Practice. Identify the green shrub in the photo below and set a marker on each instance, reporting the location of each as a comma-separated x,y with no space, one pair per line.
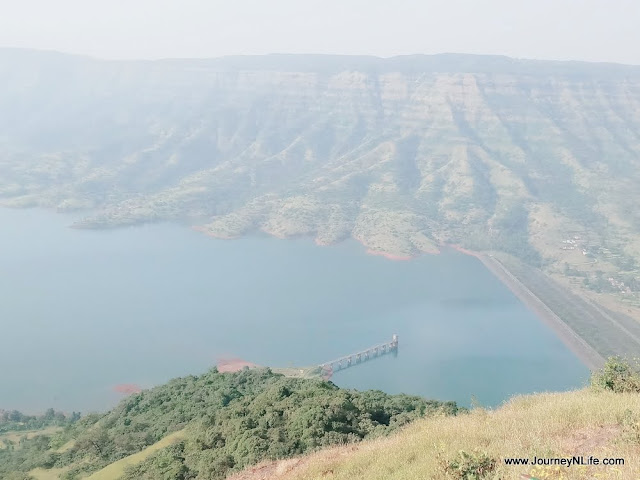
617,375
470,466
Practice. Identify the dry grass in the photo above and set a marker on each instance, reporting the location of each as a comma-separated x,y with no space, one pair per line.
116,469
581,423
14,437
66,446
51,474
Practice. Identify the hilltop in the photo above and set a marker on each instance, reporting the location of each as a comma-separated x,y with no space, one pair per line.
205,426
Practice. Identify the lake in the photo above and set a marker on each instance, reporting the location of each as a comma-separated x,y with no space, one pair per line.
83,311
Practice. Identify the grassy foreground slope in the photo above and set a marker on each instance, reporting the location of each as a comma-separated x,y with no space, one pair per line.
599,423
552,425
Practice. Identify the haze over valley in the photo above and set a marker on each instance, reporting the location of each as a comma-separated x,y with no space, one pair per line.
241,222
531,159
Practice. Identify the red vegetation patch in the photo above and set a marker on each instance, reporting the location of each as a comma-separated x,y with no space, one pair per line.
471,253
127,388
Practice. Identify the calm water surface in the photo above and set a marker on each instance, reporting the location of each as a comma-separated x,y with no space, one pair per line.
84,311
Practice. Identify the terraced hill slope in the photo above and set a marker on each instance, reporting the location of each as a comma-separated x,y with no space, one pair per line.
539,160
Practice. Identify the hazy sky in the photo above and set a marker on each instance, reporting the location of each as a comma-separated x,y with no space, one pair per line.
594,30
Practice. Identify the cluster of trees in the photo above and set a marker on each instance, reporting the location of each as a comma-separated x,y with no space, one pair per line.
15,421
287,418
229,420
509,233
618,375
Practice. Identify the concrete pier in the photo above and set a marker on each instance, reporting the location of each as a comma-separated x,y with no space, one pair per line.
355,358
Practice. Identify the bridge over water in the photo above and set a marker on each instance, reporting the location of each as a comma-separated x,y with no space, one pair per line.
327,368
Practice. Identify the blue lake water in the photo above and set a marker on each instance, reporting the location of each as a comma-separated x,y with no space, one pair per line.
83,311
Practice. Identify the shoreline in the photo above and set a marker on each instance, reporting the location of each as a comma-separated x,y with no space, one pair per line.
388,256
576,344
201,229
580,348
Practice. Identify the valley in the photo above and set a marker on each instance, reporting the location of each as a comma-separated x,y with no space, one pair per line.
263,213
538,160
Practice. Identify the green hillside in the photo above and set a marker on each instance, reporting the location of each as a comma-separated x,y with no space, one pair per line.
474,447
210,425
257,425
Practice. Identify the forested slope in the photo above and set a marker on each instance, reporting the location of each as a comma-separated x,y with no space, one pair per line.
226,422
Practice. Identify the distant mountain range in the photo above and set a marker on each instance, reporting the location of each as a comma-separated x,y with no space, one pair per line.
539,160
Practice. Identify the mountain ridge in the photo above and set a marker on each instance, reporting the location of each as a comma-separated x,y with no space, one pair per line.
415,61
520,163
